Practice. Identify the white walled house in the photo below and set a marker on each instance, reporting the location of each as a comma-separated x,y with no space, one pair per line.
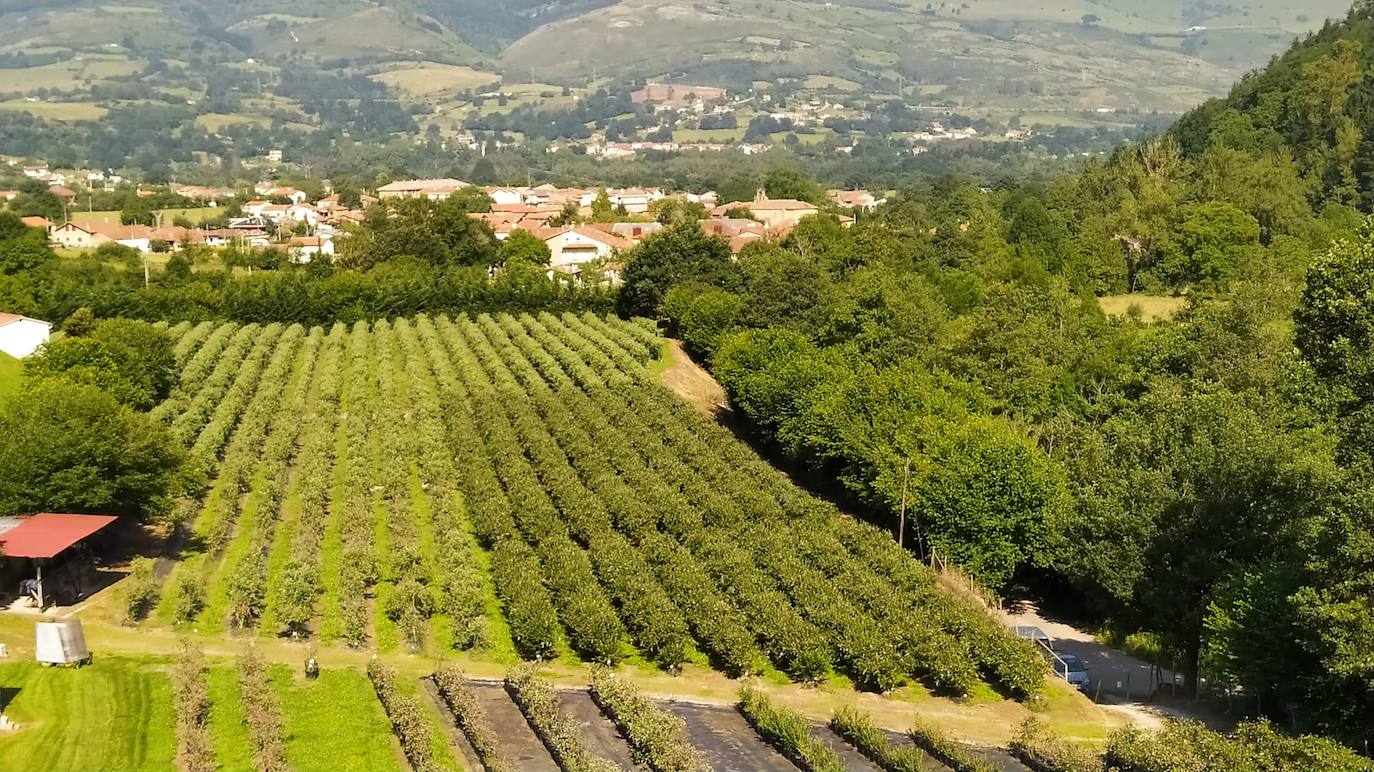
571,248
20,336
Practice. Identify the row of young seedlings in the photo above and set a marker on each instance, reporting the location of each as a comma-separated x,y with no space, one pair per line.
245,562
450,552
657,737
294,584
515,569
263,714
356,566
472,718
787,731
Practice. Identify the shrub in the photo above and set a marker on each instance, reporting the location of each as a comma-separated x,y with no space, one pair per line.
1039,748
857,728
140,590
658,738
954,755
1182,746
188,597
787,731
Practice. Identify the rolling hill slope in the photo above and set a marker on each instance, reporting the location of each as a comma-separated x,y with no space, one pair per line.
1064,55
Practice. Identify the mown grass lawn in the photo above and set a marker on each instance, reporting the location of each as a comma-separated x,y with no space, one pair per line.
113,715
334,723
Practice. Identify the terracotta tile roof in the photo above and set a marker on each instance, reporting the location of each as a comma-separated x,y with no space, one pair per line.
8,318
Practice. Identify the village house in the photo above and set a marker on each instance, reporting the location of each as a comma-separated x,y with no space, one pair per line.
434,190
304,249
69,235
856,199
777,213
573,247
63,192
20,336
37,222
505,196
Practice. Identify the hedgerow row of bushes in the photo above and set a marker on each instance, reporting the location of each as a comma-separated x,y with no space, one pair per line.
658,738
191,703
264,716
788,731
857,729
408,719
472,719
561,734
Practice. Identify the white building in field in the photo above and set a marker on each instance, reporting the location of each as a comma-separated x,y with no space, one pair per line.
20,336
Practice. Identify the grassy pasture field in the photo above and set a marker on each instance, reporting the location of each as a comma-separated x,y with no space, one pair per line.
11,376
427,79
197,214
69,74
1152,308
57,111
217,121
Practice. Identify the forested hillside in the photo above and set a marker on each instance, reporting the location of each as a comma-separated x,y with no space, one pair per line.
1204,478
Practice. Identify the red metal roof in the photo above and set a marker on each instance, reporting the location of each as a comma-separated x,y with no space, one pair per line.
46,535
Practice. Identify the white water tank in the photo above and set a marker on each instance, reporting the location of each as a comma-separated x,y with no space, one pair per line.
61,643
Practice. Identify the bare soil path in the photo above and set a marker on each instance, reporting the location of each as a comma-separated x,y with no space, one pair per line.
521,745
727,740
601,734
689,380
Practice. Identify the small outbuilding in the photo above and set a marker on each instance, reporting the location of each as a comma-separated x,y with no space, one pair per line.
48,539
20,336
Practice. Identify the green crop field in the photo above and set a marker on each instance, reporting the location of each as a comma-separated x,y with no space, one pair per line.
414,468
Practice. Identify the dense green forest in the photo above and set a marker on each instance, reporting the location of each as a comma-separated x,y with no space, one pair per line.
1205,479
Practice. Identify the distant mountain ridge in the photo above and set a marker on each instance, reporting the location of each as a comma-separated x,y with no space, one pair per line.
1067,55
